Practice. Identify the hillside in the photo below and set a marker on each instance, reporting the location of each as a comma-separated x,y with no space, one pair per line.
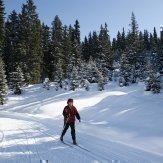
119,125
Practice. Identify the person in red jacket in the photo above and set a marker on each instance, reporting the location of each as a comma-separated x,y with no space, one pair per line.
70,113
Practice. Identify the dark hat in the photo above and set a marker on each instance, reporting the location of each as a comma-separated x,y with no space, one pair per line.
69,100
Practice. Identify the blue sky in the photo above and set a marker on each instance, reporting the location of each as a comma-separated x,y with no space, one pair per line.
92,13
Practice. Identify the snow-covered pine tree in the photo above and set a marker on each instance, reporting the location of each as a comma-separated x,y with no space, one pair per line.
104,58
92,75
3,83
30,45
86,85
56,45
74,53
85,50
67,48
59,75
94,45
76,47
146,41
82,73
2,20
74,80
156,87
154,60
140,59
16,80
65,84
155,40
153,82
133,32
101,81
20,76
71,64
133,49
135,58
125,70
91,46
46,51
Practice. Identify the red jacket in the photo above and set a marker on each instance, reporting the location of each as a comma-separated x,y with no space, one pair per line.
70,114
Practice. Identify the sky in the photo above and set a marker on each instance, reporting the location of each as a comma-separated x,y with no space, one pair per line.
92,13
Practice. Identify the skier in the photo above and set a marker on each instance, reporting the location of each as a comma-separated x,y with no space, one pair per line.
69,113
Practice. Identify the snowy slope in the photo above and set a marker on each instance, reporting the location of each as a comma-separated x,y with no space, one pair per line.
119,125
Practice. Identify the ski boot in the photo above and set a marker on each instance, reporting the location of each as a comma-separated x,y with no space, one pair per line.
61,138
74,142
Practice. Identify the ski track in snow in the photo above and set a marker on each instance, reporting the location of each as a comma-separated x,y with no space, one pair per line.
109,150
33,138
55,143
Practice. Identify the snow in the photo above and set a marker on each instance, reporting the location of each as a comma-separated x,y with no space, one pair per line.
119,125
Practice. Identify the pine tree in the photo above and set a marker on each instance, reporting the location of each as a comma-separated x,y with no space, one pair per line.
77,32
56,45
155,40
16,79
146,41
92,75
120,45
119,42
82,69
74,80
133,33
100,81
126,70
59,76
105,58
46,51
67,48
83,73
160,47
114,48
151,41
153,82
133,41
85,50
91,47
12,56
3,83
70,56
86,85
156,84
2,33
123,40
76,47
154,57
71,64
30,43
96,45
135,50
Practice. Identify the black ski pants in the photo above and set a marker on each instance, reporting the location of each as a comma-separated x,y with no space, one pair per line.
65,128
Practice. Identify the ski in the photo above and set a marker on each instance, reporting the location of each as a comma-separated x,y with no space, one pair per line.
79,146
75,145
67,144
82,148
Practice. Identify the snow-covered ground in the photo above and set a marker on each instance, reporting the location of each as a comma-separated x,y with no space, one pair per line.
119,125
